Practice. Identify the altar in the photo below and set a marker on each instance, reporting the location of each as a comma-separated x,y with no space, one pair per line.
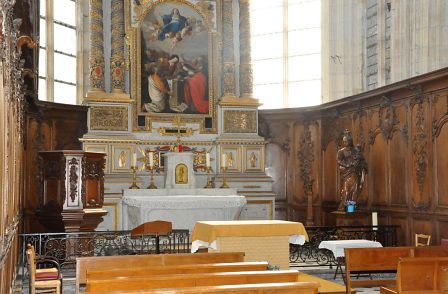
182,207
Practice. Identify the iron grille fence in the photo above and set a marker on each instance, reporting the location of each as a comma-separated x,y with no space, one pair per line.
309,253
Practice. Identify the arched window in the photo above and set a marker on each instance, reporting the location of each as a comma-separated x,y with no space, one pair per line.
286,52
59,69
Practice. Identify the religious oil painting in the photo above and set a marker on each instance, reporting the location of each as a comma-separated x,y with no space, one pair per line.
174,53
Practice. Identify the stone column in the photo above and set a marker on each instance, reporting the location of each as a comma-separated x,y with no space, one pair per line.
228,70
96,54
117,84
246,74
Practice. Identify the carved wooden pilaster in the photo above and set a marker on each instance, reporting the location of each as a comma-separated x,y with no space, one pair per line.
228,69
117,62
246,72
96,53
306,158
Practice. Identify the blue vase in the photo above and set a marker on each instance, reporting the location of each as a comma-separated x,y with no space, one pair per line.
350,208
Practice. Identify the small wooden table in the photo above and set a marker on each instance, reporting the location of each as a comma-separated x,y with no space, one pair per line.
262,240
337,248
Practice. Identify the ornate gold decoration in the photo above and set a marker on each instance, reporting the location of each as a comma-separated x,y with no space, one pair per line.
122,159
178,131
246,74
96,53
117,62
109,118
181,174
135,14
240,121
228,70
228,79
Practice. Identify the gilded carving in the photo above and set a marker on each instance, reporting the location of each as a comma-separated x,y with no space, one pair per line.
228,79
240,121
246,80
117,64
181,174
246,72
96,53
109,118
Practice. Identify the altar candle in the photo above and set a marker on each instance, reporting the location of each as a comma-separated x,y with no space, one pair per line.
134,160
223,160
207,159
151,159
375,219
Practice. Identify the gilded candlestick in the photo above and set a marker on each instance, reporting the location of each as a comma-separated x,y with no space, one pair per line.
224,179
134,178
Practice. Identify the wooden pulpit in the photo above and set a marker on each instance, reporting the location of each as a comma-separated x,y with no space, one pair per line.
71,190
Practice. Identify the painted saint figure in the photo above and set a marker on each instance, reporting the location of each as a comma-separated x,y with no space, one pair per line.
172,24
352,169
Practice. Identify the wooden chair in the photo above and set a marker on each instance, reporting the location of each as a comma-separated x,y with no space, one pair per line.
422,240
45,280
156,228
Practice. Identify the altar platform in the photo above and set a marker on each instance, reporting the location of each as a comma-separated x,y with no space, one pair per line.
182,207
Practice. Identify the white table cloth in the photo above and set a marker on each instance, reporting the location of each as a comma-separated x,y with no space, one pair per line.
338,246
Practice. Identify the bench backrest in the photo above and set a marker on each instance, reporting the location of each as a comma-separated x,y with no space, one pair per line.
95,263
265,288
422,274
382,259
178,269
192,280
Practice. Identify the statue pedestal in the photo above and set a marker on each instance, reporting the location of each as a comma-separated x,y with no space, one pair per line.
179,170
342,218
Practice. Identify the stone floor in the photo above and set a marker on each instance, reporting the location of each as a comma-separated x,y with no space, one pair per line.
320,271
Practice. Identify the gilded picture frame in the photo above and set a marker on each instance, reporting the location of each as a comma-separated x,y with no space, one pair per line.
233,158
173,58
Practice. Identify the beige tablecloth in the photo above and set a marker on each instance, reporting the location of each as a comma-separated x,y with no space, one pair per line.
206,232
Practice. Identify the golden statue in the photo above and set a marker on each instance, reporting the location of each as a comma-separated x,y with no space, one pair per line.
352,169
253,160
181,174
122,159
230,159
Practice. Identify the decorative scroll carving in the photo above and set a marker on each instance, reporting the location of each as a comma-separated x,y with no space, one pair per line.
335,127
437,124
240,121
420,144
73,178
387,118
306,158
109,118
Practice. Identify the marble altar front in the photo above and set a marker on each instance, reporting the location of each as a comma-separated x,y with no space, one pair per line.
183,207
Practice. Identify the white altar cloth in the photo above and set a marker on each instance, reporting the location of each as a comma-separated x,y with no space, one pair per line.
140,206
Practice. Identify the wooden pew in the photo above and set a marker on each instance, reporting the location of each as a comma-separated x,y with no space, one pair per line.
177,269
97,263
368,260
421,275
191,280
265,288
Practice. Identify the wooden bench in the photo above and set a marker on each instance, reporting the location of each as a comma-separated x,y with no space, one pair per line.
191,280
368,260
420,275
98,263
178,269
265,288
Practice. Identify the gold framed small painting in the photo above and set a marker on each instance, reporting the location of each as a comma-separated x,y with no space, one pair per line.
254,158
232,157
122,158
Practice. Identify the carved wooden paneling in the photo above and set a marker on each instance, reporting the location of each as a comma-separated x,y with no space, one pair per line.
329,173
398,169
378,171
403,233
440,181
441,226
276,158
423,224
421,198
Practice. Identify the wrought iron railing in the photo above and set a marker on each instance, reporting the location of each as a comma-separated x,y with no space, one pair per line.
309,253
66,247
